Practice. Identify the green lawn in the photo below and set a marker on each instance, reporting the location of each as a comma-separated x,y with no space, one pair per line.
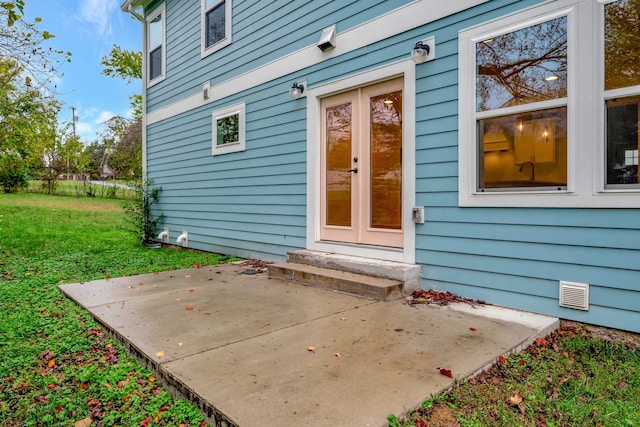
570,378
56,366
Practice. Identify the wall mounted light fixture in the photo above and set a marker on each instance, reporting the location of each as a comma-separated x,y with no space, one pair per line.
424,50
298,89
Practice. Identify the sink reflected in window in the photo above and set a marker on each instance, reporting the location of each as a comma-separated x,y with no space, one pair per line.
523,151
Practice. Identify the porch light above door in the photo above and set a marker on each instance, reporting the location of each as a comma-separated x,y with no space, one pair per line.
424,50
298,89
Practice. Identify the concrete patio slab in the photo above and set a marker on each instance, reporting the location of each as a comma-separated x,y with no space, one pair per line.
240,345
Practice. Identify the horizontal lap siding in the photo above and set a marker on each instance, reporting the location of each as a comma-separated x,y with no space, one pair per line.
261,31
509,256
251,203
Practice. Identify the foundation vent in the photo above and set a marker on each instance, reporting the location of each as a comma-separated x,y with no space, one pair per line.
574,295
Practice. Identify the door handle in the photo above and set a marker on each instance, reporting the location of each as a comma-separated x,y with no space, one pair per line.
354,170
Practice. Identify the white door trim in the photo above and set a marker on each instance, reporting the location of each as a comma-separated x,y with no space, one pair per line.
406,69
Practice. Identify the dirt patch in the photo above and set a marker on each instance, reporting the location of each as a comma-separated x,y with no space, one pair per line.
628,338
442,416
53,202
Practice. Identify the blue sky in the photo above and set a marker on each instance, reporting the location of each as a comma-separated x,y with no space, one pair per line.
88,29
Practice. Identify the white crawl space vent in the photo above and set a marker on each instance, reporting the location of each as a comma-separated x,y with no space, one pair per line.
574,295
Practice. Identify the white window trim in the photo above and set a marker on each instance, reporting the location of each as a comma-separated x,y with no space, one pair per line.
240,145
586,144
204,50
159,10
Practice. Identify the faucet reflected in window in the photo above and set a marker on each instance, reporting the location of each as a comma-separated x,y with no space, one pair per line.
533,169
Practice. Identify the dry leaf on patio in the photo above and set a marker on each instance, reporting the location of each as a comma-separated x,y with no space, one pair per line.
472,329
343,318
446,372
160,354
337,354
311,348
189,307
188,276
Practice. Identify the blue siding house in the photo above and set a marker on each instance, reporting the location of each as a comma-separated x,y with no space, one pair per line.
493,143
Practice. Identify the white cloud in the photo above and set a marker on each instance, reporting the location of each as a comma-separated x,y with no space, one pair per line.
91,122
99,14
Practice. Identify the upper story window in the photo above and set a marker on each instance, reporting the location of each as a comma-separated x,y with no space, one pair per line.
216,25
550,107
155,29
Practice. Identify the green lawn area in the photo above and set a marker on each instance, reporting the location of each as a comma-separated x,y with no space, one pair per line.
58,369
56,366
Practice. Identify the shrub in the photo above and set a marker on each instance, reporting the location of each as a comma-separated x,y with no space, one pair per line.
13,174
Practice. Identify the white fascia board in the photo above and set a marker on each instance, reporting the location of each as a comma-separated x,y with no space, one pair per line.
405,18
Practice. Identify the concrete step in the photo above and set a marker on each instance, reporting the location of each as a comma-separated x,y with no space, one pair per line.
344,281
410,275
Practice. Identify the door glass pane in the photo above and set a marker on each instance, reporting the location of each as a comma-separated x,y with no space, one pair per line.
622,141
621,44
526,150
521,67
339,133
386,160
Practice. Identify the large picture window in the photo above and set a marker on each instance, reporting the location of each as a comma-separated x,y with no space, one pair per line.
521,98
550,107
621,84
216,25
155,46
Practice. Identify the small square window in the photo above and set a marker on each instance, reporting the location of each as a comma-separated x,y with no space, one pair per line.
228,130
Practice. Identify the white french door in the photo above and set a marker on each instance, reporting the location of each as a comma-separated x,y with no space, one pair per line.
361,166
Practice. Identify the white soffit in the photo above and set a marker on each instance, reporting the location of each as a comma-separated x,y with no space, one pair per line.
407,17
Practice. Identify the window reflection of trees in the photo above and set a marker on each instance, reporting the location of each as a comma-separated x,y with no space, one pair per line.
524,66
622,44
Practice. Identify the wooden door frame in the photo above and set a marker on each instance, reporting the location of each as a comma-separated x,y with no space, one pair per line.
406,70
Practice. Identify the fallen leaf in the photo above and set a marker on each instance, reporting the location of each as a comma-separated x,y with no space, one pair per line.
106,276
192,290
51,363
83,423
178,299
446,372
145,422
522,408
152,378
140,283
188,276
160,354
337,354
472,329
51,386
311,348
363,319
189,307
343,318
502,359
59,409
516,399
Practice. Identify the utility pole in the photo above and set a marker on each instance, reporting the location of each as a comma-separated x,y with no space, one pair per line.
74,120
